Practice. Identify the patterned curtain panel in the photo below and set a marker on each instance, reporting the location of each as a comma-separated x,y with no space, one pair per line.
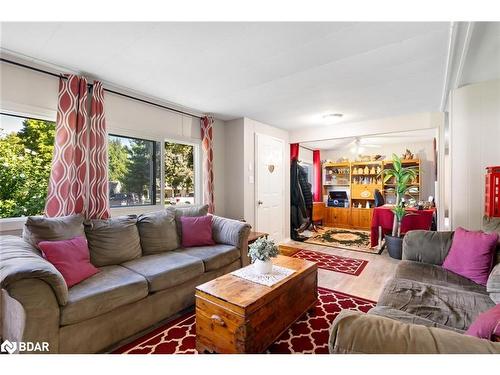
98,200
67,185
79,178
208,157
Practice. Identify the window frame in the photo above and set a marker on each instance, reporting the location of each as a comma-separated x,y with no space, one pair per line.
196,166
11,224
14,224
154,160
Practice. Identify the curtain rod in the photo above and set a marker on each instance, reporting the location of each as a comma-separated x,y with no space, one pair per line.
107,90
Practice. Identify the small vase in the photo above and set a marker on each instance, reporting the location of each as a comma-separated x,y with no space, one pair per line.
263,266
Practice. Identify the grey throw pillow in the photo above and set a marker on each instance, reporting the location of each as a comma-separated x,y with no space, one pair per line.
113,241
39,228
187,210
158,232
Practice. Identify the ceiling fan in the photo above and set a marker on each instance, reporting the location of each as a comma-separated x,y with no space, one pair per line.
357,147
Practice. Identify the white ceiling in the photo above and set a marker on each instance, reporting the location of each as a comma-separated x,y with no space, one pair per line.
284,74
416,136
483,56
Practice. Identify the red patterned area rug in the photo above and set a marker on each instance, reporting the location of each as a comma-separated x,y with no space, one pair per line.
332,262
308,335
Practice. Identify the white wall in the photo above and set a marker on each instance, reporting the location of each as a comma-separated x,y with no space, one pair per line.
474,145
34,94
305,155
240,172
422,150
234,169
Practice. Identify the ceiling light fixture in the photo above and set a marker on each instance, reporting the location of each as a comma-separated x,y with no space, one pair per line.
330,115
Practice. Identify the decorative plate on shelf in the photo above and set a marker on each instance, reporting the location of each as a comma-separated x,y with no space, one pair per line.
366,194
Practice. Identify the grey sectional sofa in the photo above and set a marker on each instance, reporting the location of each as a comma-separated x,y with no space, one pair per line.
423,309
145,277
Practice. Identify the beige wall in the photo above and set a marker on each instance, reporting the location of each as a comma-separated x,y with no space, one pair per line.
422,150
474,145
240,171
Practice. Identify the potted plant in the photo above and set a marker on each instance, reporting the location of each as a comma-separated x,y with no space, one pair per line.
403,177
261,252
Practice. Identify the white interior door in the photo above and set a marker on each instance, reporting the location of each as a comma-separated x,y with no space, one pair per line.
269,187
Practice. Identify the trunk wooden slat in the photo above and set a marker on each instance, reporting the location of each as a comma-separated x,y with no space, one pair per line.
234,315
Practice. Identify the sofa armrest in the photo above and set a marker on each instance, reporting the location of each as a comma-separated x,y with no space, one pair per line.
232,232
493,284
21,261
30,313
356,332
427,246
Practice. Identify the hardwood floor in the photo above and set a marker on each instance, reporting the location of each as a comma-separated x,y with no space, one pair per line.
368,284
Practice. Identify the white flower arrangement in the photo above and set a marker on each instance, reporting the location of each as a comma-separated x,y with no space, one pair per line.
262,249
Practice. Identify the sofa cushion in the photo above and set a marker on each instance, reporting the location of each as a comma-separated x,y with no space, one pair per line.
187,210
39,228
197,231
471,254
213,257
158,232
166,270
435,275
445,305
113,241
70,257
112,287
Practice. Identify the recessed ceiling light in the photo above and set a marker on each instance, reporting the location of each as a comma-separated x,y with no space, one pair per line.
330,115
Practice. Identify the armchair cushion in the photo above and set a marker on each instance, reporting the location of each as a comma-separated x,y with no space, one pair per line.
355,332
486,325
113,241
427,246
22,261
471,254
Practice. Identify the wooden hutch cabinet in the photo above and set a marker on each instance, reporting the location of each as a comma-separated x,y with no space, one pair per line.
359,180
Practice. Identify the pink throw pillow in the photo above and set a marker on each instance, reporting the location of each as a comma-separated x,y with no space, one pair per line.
471,254
70,257
197,231
486,325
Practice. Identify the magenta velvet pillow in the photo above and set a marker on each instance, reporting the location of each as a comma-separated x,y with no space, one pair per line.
196,231
70,257
471,254
486,324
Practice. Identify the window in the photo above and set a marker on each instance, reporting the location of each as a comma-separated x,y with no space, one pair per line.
179,173
134,171
26,147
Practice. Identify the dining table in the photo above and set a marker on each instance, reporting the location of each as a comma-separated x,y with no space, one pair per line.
383,218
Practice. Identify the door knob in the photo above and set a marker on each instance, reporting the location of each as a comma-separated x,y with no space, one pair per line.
260,203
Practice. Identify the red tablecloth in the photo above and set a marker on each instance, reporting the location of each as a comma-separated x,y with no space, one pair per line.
383,217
